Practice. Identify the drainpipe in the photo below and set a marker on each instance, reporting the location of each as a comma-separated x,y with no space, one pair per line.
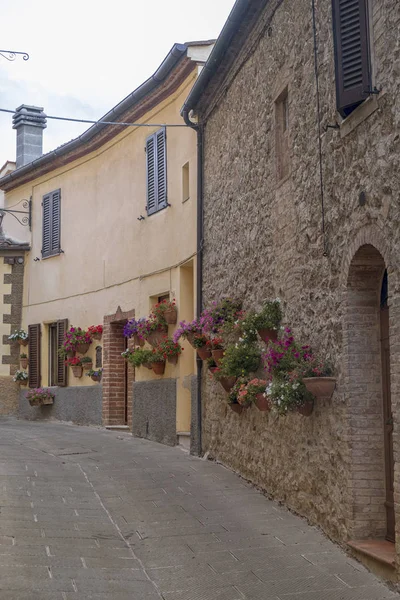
199,271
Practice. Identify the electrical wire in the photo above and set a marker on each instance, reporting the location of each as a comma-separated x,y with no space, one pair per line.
88,121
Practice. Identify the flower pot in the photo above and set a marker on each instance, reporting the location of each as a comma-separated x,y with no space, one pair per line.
218,354
237,408
95,377
148,366
71,353
267,334
262,402
87,366
212,369
320,387
156,337
24,363
23,342
190,337
171,316
158,367
227,383
173,360
96,336
82,348
47,401
35,402
77,371
23,383
138,341
204,353
306,408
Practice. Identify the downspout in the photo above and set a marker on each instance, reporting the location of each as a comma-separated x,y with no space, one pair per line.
199,270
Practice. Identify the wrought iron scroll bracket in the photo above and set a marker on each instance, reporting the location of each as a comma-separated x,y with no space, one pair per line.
26,219
11,55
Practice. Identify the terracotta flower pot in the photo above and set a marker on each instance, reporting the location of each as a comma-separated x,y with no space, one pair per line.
148,366
96,336
190,337
77,371
71,353
171,316
156,337
262,402
217,355
23,342
87,366
212,369
173,360
24,363
35,402
268,334
47,401
138,341
237,408
320,387
158,367
204,353
306,408
227,383
23,383
95,377
82,348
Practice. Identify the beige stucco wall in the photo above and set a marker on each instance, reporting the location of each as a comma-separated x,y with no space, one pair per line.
110,258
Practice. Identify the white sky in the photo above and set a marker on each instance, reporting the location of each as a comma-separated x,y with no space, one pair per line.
87,55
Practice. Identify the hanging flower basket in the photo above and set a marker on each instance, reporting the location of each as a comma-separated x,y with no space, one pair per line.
204,353
95,377
87,366
23,342
306,408
262,402
82,348
268,334
23,382
320,387
213,369
227,383
97,335
173,359
190,337
24,363
237,408
148,366
156,337
171,316
138,341
35,402
158,367
77,371
71,353
48,400
218,355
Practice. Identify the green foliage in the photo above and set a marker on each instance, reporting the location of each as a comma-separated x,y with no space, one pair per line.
86,359
140,356
240,359
270,316
286,394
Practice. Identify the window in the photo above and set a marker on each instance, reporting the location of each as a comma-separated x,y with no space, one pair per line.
282,135
51,224
185,182
352,53
156,171
58,371
34,342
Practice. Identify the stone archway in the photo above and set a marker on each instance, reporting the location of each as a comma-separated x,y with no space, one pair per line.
365,394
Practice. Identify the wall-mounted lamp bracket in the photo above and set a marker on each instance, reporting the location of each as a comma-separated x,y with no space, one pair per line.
25,221
141,218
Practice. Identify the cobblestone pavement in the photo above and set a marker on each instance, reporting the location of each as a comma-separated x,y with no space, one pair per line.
87,514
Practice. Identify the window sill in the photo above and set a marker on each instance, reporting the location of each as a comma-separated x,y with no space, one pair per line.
358,116
52,255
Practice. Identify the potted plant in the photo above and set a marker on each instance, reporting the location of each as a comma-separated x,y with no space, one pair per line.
23,359
187,331
317,377
288,395
19,336
76,340
267,321
203,345
76,366
95,332
170,350
95,374
212,365
154,331
40,396
217,345
233,401
136,328
253,392
165,312
226,382
158,362
87,363
21,377
141,356
240,359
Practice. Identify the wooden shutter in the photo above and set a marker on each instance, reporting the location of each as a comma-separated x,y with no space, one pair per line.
151,175
62,369
34,355
352,54
55,222
46,204
161,166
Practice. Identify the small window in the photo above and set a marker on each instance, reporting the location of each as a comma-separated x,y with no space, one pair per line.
99,357
163,297
58,371
156,171
352,53
185,183
51,224
282,124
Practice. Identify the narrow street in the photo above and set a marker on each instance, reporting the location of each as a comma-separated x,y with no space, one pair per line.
90,514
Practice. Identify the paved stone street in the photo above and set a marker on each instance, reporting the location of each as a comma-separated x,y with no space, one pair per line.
89,514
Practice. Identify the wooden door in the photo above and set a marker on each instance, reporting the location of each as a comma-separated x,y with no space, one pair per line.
387,414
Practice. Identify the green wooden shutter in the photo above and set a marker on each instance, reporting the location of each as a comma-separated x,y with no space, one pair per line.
151,175
46,245
34,342
55,222
352,53
62,369
161,169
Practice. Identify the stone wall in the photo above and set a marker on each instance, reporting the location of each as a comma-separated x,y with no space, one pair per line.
154,410
263,239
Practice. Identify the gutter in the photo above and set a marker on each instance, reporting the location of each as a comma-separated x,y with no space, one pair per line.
177,52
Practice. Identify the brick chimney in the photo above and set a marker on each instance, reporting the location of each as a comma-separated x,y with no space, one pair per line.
29,121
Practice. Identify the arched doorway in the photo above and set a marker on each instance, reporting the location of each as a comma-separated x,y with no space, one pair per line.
367,358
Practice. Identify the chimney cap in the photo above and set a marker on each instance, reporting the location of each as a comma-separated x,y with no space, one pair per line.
29,115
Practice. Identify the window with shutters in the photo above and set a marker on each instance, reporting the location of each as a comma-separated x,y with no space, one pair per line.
34,345
58,370
51,224
156,171
352,53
